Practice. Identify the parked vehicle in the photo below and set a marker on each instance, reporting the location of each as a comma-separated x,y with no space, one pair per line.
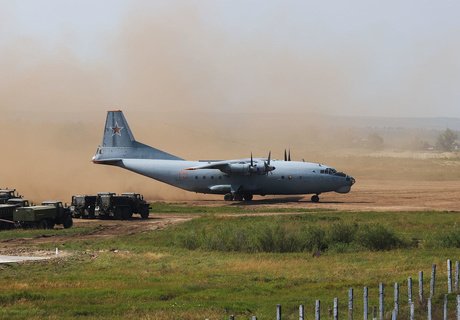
6,194
45,216
111,205
83,206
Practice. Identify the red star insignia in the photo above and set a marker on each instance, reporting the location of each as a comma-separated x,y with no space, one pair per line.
116,130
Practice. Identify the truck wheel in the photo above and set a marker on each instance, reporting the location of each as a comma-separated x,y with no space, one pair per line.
50,224
145,214
68,222
43,224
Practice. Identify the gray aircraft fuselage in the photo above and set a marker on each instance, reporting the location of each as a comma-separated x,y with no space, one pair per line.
234,178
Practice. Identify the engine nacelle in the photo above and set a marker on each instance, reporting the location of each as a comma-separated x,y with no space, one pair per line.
246,168
238,168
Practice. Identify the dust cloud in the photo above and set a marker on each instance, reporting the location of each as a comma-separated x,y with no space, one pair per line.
186,87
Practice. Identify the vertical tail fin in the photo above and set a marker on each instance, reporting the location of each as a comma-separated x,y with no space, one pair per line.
118,143
117,132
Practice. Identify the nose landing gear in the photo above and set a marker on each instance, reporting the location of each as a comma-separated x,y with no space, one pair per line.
315,198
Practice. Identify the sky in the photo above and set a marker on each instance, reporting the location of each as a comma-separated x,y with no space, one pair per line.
211,80
352,58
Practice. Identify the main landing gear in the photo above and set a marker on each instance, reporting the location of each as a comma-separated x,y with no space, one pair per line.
315,198
238,197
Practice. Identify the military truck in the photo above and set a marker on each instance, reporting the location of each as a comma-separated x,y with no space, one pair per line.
6,216
18,202
83,206
45,216
7,210
6,194
138,204
110,205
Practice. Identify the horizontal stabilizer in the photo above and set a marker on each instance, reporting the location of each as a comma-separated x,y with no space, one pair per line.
118,143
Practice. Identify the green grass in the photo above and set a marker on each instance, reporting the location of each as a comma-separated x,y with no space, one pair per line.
152,276
36,233
184,208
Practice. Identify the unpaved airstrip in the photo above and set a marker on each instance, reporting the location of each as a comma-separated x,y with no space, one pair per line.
365,196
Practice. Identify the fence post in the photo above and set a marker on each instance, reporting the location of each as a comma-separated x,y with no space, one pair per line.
409,290
336,309
374,313
449,276
396,297
428,309
350,304
365,303
412,311
457,270
458,307
381,301
444,309
433,281
318,310
394,314
420,286
278,312
301,312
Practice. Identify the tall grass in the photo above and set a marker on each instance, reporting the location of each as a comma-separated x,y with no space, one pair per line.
279,236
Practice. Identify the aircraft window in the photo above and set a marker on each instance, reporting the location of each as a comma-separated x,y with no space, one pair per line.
204,177
282,177
212,177
300,177
196,177
322,171
220,177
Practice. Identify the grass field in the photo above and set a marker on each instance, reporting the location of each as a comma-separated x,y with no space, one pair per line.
153,275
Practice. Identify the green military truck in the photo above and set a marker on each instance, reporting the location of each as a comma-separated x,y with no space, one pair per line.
138,204
45,216
7,210
112,206
6,194
83,206
6,216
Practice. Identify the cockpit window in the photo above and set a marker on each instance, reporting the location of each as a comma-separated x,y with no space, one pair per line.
331,171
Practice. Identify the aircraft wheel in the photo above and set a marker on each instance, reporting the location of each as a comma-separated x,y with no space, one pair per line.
238,197
315,198
247,197
228,197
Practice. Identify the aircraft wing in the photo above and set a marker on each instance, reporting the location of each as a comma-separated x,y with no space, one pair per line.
238,167
223,166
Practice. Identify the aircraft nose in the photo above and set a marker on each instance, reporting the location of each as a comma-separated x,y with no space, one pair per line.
352,180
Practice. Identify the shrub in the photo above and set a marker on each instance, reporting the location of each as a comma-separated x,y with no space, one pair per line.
377,238
449,239
342,233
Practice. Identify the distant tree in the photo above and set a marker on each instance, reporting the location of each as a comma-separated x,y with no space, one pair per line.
375,141
446,140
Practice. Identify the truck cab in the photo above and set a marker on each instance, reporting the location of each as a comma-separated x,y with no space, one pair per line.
6,194
63,214
18,202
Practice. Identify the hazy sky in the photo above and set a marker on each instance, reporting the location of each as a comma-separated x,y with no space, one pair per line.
378,58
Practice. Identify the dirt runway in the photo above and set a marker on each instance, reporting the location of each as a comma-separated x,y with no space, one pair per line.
372,195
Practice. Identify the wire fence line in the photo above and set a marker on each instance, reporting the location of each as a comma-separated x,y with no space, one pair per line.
418,307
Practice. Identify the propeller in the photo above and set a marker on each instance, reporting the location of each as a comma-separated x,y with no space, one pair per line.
287,155
252,161
268,168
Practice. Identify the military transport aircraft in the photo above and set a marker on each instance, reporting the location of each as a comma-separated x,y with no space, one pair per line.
236,179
